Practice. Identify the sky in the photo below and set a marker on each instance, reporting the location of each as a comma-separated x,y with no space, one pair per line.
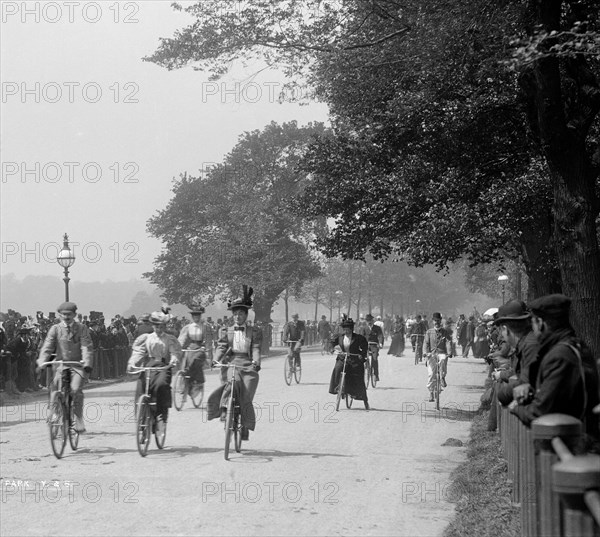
92,136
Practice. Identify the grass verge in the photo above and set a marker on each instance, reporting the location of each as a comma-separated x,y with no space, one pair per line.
481,490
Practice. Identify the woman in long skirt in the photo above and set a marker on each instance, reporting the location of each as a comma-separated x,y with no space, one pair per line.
397,344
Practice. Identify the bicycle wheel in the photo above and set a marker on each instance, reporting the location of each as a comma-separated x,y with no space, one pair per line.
197,394
143,426
349,401
229,425
179,390
237,431
367,372
58,423
297,371
340,392
160,433
287,371
373,378
73,434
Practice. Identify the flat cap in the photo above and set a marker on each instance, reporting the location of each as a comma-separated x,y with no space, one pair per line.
515,310
555,306
67,306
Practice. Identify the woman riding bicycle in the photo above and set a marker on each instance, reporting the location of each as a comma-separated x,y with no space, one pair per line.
194,337
356,344
240,345
154,350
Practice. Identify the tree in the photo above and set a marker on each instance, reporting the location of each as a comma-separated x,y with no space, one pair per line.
234,226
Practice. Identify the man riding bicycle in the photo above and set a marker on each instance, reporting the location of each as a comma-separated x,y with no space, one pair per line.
375,339
193,337
437,347
154,350
294,333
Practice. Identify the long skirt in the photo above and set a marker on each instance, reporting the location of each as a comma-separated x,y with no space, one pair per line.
355,378
397,344
247,383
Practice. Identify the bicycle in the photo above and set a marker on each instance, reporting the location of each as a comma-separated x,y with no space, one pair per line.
233,425
61,419
294,369
340,389
146,422
182,386
371,373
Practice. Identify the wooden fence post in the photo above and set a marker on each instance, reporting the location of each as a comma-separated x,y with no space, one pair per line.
571,479
544,429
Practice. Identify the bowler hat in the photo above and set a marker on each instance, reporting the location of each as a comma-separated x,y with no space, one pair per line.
295,316
555,306
437,316
196,309
67,306
515,310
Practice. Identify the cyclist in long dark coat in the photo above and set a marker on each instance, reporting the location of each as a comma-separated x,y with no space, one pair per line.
353,343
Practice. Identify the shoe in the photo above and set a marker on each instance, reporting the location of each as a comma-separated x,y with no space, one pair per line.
431,399
367,407
223,414
444,383
79,424
245,434
377,378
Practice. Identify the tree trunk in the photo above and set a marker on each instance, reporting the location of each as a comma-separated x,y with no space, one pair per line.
316,304
567,102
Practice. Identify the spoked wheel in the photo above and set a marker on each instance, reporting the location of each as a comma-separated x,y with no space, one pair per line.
58,423
73,434
197,394
160,433
367,373
373,377
143,425
437,390
228,425
287,371
297,372
340,392
349,401
179,390
237,431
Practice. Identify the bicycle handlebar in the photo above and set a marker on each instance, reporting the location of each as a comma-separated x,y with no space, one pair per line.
219,364
136,369
62,362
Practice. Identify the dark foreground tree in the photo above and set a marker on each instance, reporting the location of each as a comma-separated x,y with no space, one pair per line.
234,226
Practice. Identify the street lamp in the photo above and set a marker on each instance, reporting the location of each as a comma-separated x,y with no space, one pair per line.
418,303
66,259
502,280
339,297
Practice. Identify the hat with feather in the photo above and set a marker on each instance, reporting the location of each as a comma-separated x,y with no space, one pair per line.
245,301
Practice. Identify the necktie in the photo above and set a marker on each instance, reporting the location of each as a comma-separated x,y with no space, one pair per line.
238,328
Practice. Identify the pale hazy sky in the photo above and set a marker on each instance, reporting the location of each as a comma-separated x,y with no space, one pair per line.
78,101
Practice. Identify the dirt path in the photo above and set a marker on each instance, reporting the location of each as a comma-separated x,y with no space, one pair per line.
307,470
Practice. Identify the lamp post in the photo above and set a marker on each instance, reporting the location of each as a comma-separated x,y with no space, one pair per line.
502,280
418,303
66,259
339,297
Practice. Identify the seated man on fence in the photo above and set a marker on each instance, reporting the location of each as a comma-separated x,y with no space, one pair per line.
565,376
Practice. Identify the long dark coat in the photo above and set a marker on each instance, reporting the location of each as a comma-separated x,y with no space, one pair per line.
355,368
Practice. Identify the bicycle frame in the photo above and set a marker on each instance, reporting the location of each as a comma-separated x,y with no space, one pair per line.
342,382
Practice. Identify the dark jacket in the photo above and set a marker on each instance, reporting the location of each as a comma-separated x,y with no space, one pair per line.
566,380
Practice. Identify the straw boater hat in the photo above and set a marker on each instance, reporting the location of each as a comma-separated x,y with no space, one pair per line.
245,301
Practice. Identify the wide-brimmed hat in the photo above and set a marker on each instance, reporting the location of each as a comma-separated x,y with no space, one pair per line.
347,322
514,310
554,306
196,309
158,317
245,301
